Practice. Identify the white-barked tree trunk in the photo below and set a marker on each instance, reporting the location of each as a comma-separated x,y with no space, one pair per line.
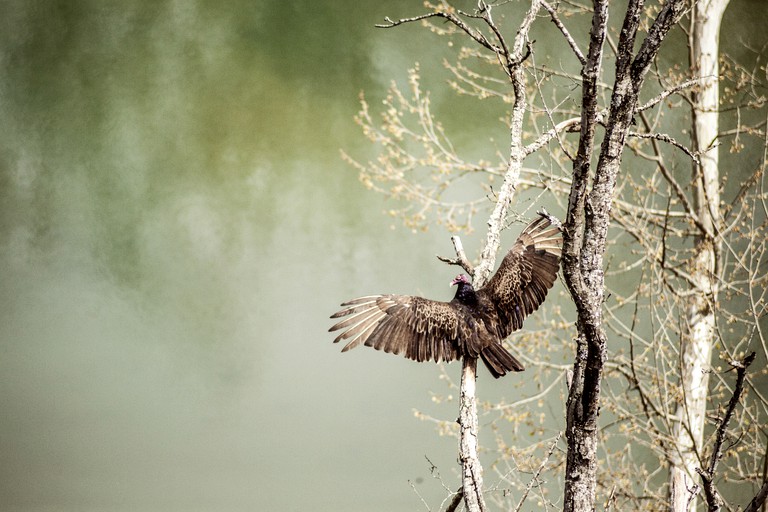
699,332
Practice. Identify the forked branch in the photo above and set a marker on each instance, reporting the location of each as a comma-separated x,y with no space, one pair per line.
714,500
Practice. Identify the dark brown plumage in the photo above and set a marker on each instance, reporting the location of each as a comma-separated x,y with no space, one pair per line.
475,322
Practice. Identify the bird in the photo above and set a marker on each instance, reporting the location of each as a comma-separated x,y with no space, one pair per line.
475,322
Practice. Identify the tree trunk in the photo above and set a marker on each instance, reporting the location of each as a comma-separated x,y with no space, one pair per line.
472,482
581,407
586,230
472,471
699,328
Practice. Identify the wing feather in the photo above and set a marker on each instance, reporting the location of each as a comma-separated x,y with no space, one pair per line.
358,331
360,336
355,318
525,275
418,328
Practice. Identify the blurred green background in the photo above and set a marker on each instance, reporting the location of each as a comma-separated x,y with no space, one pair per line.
176,226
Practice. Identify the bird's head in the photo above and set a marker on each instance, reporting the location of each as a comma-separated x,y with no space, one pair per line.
460,279
465,294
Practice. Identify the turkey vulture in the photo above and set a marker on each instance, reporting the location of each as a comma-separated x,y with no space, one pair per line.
475,322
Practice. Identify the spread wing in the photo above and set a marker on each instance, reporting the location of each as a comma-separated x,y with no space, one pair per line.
418,328
527,272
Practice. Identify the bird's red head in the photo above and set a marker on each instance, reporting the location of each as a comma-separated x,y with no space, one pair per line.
461,278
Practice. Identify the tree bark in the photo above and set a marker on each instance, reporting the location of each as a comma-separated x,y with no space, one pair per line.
471,470
699,332
581,431
586,230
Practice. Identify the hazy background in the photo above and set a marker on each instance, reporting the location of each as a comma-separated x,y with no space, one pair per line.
176,226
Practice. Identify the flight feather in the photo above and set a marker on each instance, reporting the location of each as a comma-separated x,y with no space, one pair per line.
475,322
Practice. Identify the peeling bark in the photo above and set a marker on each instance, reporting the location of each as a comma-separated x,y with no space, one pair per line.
471,470
699,333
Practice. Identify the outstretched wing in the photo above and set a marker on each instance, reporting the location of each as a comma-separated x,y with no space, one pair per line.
527,272
418,328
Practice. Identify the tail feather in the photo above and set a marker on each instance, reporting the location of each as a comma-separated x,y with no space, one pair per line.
499,361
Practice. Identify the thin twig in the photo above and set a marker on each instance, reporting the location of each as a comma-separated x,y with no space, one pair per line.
471,32
714,500
669,140
559,24
567,125
535,477
665,94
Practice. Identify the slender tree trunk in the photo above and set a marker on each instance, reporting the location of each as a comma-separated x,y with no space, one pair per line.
472,471
511,60
472,482
699,328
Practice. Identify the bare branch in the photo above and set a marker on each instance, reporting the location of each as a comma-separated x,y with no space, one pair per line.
759,499
559,24
461,257
669,15
667,93
572,124
535,477
678,189
471,32
714,500
471,470
669,140
456,501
